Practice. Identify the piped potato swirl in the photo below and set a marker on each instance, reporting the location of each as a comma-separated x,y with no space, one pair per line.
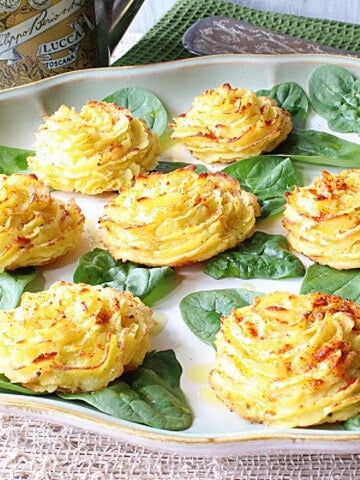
97,149
35,227
226,124
178,218
323,219
290,360
73,337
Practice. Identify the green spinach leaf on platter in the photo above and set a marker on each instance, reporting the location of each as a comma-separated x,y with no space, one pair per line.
144,104
268,177
166,167
321,278
98,267
320,148
7,387
150,395
202,311
13,284
352,423
334,94
263,255
291,97
13,160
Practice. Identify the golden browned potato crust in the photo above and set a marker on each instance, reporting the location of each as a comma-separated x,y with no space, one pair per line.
323,219
290,360
98,149
73,337
226,124
35,227
178,218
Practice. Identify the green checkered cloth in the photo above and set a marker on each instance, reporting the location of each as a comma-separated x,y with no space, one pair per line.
163,41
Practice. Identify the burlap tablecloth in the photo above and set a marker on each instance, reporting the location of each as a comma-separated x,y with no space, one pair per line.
40,450
34,449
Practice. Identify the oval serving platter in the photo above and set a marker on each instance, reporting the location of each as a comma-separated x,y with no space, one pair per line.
215,430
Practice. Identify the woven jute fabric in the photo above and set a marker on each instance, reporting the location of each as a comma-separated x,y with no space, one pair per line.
37,450
34,449
163,41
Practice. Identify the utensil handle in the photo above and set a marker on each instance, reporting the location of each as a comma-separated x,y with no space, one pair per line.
121,15
219,35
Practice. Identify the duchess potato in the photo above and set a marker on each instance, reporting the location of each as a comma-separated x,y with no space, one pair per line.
35,227
98,149
323,219
225,124
290,360
177,218
73,337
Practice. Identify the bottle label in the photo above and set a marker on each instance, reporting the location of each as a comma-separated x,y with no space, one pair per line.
40,38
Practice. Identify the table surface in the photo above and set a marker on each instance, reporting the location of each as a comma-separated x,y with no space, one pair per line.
41,450
153,10
344,11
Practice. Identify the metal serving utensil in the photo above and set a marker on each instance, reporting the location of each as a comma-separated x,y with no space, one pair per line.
120,14
220,35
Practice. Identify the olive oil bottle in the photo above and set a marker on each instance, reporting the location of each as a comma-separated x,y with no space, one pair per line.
42,38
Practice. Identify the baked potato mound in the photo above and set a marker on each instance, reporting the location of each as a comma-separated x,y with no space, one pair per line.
323,219
98,149
177,218
73,337
290,360
226,124
35,227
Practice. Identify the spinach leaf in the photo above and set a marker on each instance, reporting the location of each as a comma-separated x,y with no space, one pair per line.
320,148
262,256
150,395
352,423
291,96
142,103
12,286
13,160
321,278
268,177
98,267
167,167
335,95
7,387
202,311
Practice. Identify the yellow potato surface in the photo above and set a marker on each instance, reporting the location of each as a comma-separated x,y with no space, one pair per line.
323,219
225,124
290,360
178,218
98,149
73,337
35,227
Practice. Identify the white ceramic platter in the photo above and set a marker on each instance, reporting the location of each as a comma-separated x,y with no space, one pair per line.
215,430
